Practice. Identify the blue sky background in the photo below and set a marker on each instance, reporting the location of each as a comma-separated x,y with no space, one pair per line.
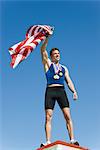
77,35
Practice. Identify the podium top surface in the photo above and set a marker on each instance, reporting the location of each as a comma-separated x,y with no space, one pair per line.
60,145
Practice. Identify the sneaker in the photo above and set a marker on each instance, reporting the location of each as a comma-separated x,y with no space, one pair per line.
44,144
75,143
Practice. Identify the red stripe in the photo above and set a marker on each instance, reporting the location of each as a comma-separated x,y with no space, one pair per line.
26,52
28,30
20,45
32,32
40,35
47,27
36,42
27,48
10,49
13,59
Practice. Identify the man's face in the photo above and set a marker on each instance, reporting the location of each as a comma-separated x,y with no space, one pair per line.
55,56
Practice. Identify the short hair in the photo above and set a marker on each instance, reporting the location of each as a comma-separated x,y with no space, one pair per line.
53,49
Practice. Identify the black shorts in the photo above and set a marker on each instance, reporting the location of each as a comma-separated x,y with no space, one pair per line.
54,94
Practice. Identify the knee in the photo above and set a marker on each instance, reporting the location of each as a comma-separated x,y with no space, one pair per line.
48,117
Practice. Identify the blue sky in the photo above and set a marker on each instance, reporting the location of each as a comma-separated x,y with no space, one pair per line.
77,35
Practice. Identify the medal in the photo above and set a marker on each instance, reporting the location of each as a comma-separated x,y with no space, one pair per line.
60,73
56,76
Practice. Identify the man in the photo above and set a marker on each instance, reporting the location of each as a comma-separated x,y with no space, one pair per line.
56,74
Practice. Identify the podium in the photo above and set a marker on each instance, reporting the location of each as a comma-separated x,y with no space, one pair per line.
60,145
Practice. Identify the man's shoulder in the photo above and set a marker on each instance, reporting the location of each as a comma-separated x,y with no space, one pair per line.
66,69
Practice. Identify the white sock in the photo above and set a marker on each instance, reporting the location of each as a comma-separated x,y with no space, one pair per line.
48,142
72,140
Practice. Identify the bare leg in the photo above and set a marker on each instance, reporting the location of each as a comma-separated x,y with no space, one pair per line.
69,124
48,115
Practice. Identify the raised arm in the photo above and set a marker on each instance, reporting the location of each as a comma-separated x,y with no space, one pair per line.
71,85
44,54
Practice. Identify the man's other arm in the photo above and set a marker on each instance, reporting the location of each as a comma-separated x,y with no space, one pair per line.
71,85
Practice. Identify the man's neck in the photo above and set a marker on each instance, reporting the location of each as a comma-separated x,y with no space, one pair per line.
57,63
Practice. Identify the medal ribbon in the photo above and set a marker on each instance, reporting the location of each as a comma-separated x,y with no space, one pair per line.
57,68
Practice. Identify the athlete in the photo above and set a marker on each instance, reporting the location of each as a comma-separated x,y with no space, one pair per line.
56,74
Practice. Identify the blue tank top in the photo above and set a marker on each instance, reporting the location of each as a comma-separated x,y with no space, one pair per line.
55,78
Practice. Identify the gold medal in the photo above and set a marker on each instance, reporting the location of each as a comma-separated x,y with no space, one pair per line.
60,73
56,76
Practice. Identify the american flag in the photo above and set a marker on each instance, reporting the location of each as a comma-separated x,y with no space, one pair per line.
34,35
